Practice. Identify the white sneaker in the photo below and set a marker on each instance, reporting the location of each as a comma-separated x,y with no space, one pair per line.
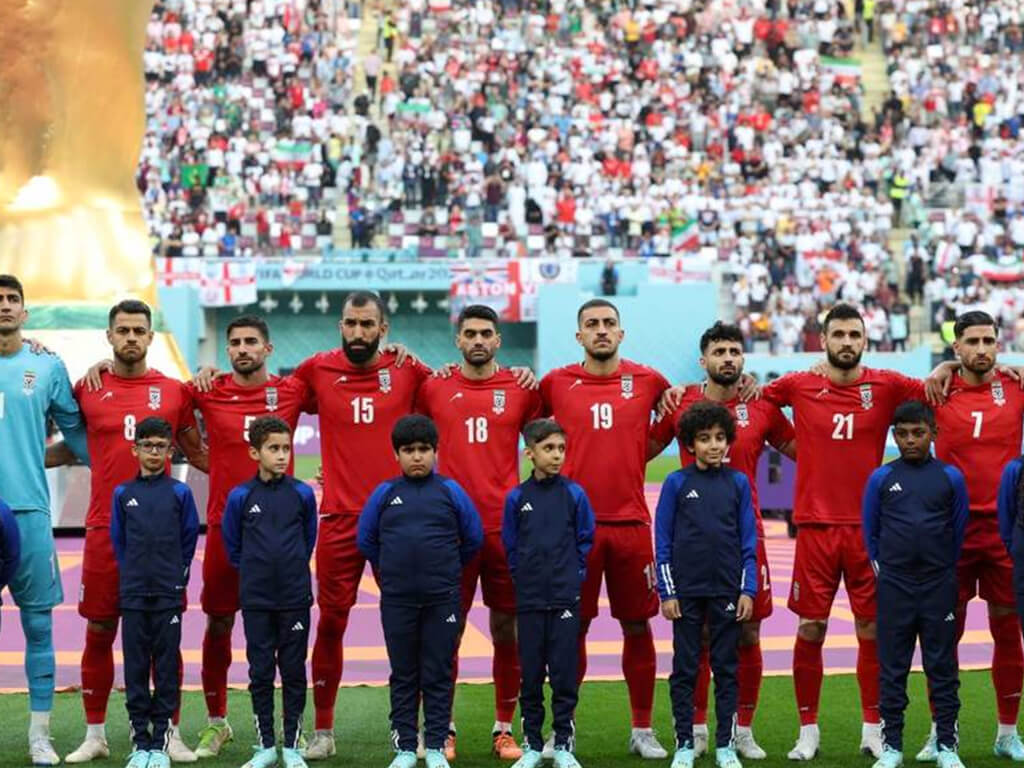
548,752
746,746
41,751
806,747
700,740
643,742
90,749
321,746
930,751
177,750
871,740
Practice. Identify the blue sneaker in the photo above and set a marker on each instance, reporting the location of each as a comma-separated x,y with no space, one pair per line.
531,759
725,757
139,758
890,758
683,758
292,758
1009,746
436,759
565,759
947,758
159,759
262,757
404,760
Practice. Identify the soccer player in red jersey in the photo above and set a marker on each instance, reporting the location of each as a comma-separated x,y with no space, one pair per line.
230,404
479,411
605,405
129,393
360,394
841,423
757,422
980,431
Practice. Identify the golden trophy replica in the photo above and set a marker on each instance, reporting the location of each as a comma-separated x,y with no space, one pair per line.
72,119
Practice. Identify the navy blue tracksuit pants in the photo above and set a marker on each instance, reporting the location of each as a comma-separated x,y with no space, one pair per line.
421,642
151,642
277,640
548,647
720,614
909,610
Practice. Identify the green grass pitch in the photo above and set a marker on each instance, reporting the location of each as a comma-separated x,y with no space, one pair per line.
602,725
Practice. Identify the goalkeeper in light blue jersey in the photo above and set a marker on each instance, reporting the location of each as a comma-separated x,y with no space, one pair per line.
32,388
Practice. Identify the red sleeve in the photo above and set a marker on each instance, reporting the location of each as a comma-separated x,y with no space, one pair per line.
421,404
780,391
780,431
187,411
663,431
534,406
304,372
546,385
906,387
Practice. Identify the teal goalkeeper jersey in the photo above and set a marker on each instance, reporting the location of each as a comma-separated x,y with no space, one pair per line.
33,387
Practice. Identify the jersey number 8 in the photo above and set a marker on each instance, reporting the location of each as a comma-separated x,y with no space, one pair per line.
129,427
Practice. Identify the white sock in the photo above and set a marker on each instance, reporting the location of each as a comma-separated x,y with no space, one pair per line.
701,728
1003,730
637,731
38,725
216,720
500,727
871,727
809,730
451,726
743,729
328,731
96,731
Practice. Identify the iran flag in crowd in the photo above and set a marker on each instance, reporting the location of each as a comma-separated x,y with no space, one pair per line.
228,283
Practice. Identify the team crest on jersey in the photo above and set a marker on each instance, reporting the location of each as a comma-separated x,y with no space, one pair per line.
499,402
384,377
154,398
742,415
998,396
866,398
627,386
271,398
28,382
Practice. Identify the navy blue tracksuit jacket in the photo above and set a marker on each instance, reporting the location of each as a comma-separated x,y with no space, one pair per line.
418,533
705,542
548,530
1011,525
914,519
269,530
154,527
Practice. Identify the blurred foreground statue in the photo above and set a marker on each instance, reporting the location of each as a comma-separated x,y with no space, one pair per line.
72,119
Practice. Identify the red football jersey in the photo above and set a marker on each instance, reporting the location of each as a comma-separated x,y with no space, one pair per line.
479,422
841,432
228,410
757,422
980,433
607,420
111,415
358,408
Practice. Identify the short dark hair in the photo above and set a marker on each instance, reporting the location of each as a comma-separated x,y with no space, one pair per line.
971,319
130,307
705,415
153,426
249,321
10,281
914,412
720,332
596,303
477,312
362,298
264,427
414,428
841,311
539,430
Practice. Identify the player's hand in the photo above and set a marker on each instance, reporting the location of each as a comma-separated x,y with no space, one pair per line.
446,371
93,377
401,353
744,608
936,386
525,378
749,389
670,399
821,368
204,378
670,609
36,347
319,475
1015,372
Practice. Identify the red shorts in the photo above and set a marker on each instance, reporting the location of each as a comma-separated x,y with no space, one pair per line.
985,568
824,554
763,599
339,563
624,555
491,567
220,578
99,595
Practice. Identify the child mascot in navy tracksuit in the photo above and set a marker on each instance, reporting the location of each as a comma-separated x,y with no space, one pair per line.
548,529
706,550
915,516
10,544
418,531
154,526
269,530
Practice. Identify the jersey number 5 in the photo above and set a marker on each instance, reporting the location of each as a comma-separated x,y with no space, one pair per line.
843,429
